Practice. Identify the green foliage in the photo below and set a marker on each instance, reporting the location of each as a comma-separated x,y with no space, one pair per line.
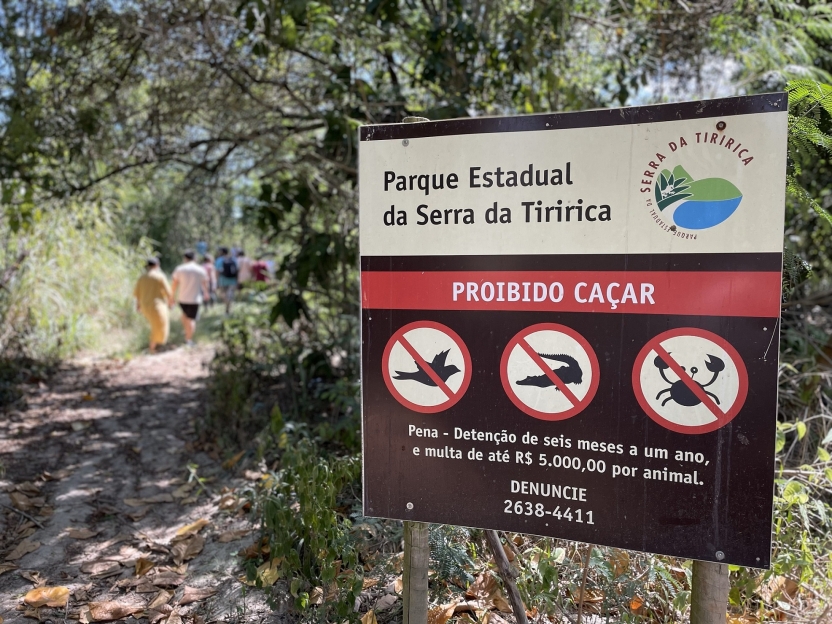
451,553
308,536
70,282
808,100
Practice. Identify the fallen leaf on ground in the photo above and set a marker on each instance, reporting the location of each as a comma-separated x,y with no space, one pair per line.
187,549
167,579
138,515
80,425
81,534
33,577
163,597
440,615
25,503
194,527
143,566
193,594
87,397
231,536
158,614
230,463
23,548
111,610
370,618
164,497
369,582
509,552
174,618
385,602
134,502
7,567
47,596
183,490
267,574
101,569
316,596
229,501
121,537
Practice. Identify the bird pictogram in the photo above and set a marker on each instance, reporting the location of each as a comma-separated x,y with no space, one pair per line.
438,365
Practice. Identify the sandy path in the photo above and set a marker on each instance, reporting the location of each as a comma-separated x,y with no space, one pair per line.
102,433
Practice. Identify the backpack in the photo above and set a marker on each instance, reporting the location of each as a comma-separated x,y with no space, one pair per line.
229,268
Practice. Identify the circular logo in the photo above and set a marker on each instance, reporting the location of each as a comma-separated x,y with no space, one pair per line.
426,366
690,380
549,371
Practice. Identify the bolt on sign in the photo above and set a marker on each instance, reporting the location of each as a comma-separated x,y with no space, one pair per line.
570,324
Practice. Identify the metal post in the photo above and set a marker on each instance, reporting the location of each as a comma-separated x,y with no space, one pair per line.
709,593
415,572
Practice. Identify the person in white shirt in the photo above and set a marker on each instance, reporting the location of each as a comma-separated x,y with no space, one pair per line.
190,286
243,267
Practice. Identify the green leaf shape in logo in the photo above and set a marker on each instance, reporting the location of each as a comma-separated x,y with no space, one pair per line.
672,187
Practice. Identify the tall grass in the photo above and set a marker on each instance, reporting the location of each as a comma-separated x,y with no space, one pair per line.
68,282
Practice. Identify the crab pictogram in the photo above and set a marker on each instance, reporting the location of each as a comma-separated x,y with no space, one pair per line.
679,390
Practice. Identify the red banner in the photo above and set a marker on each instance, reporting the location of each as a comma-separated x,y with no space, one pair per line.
692,293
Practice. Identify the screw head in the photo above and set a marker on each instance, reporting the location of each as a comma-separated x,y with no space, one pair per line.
719,555
721,125
409,506
405,142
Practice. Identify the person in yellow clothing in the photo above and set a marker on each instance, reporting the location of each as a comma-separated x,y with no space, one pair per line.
152,294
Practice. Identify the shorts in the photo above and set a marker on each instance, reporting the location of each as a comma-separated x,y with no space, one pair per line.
191,310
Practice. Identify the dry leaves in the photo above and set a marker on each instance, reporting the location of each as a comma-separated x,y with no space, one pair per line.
194,527
47,597
385,602
111,610
193,594
162,598
232,536
370,618
33,577
81,534
143,566
230,463
167,578
267,574
187,548
23,548
7,567
101,569
164,497
440,615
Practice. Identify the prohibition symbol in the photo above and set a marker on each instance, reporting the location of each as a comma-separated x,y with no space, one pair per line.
426,367
690,380
549,371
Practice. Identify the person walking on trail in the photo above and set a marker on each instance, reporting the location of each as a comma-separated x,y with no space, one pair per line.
227,279
153,293
190,284
260,270
243,268
210,269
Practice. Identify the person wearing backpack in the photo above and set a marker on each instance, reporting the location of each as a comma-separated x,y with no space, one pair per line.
227,277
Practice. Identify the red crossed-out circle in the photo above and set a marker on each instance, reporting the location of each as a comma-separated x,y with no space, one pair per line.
578,405
453,397
722,418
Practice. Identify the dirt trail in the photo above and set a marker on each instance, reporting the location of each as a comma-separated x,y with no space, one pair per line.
104,449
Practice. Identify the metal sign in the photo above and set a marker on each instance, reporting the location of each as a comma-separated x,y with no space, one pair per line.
570,324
